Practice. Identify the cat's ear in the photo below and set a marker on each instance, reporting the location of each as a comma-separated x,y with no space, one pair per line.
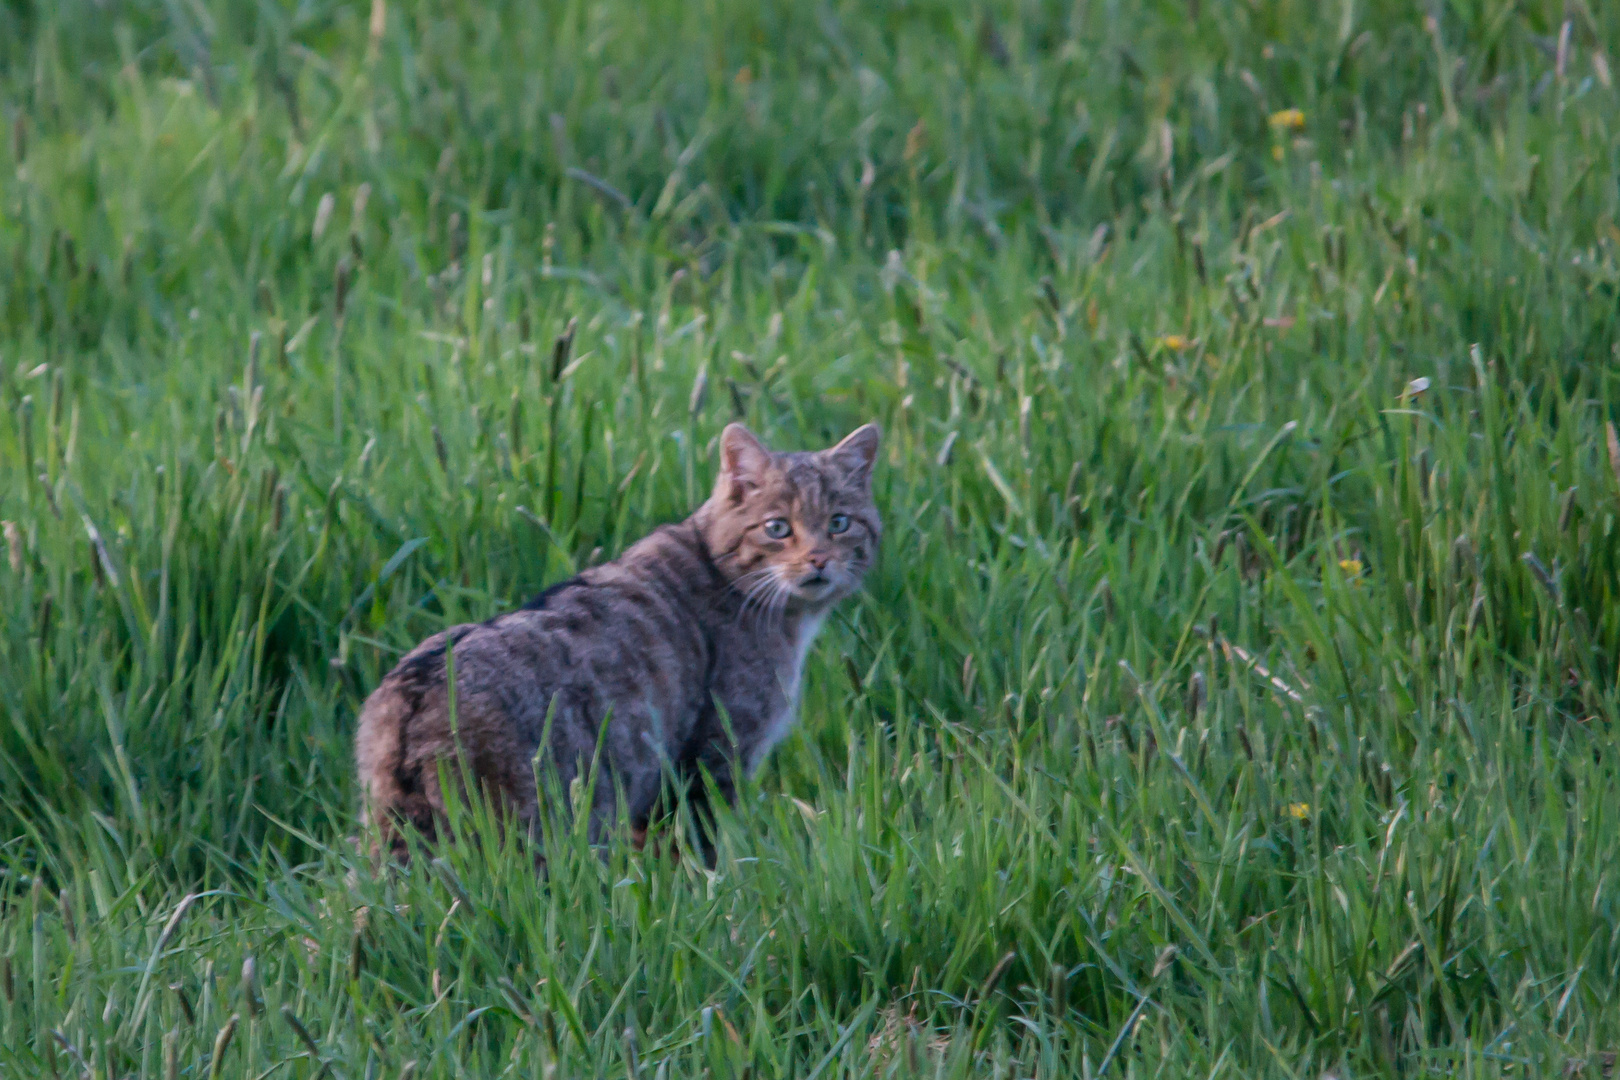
857,453
743,459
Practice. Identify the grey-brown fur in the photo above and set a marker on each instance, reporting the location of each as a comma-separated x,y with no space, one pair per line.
701,624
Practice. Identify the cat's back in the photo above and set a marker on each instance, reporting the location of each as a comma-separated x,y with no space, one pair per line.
613,639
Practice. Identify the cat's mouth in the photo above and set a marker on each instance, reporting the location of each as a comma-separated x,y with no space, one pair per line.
814,585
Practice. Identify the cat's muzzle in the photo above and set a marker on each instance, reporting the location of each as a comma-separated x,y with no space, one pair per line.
816,585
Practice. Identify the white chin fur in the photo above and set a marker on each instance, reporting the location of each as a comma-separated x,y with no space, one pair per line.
831,589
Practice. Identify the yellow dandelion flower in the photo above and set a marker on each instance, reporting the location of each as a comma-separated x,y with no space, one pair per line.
1351,567
1299,810
1177,342
1288,120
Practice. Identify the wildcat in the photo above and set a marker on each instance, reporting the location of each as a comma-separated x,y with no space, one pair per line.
689,647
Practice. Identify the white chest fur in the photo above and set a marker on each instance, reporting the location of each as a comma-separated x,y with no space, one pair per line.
791,676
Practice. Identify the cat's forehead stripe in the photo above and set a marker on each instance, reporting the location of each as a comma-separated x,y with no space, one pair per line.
809,482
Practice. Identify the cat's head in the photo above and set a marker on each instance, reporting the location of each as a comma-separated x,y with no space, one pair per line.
793,531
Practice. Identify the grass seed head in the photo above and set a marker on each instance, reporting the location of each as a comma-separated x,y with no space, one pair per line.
171,1055
185,1003
323,217
700,392
561,348
632,1063
301,1032
222,1043
250,987
1613,440
340,285
1057,985
14,545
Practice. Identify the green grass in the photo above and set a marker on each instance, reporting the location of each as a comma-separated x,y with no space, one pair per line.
1226,702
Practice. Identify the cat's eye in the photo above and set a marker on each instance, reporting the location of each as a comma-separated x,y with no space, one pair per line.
778,529
838,523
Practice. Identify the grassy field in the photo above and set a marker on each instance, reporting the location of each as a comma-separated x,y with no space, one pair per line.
1236,694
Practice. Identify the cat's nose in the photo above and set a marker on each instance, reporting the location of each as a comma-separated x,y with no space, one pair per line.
819,559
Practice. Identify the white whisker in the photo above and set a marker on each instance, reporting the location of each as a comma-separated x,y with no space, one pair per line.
759,584
752,600
777,603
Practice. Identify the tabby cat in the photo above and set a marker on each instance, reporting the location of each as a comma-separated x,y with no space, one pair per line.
689,648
